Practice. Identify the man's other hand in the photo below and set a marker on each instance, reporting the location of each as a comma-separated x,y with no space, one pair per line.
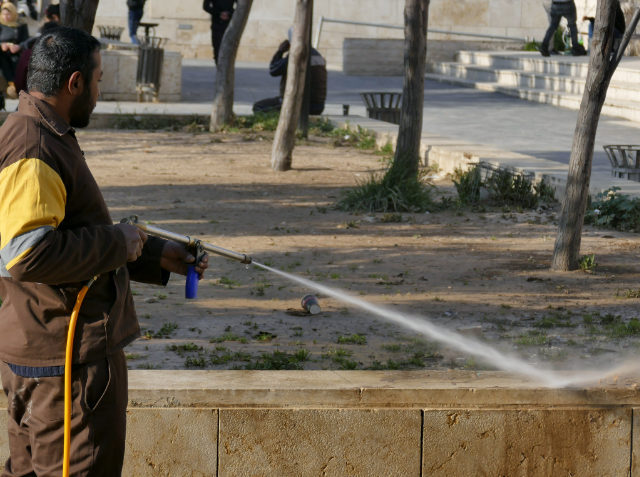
174,255
134,238
284,46
225,16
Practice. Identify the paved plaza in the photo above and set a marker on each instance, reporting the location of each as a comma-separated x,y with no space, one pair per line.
467,114
502,121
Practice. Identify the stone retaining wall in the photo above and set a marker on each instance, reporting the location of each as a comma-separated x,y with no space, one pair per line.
119,80
376,57
188,27
382,423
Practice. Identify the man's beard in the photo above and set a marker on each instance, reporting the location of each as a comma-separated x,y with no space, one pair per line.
81,109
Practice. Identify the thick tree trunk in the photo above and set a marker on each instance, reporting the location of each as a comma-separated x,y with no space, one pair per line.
566,253
305,109
223,93
80,14
416,19
285,137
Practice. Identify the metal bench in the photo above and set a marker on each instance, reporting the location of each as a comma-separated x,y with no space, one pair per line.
383,106
110,32
625,161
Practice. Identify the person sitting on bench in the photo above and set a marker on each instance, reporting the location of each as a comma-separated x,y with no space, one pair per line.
279,66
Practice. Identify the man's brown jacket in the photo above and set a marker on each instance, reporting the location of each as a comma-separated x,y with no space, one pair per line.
56,233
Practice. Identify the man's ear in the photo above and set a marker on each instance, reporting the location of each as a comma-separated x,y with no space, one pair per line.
76,83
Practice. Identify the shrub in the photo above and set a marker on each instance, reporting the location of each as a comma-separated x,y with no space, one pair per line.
532,46
614,211
396,189
505,186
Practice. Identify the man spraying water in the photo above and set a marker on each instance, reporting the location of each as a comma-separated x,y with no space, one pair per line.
55,234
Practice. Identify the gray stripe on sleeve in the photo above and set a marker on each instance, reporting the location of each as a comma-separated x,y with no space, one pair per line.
23,242
4,273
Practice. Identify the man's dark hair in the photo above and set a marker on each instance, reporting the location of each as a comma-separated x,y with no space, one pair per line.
58,54
52,10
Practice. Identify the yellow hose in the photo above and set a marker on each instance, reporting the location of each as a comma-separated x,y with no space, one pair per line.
67,377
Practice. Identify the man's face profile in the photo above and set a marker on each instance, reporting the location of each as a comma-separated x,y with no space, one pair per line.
84,104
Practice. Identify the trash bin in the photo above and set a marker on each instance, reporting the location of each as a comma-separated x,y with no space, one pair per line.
383,106
625,161
150,59
110,32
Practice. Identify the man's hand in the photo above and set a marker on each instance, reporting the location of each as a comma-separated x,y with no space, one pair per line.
14,48
225,16
174,255
284,46
5,46
134,238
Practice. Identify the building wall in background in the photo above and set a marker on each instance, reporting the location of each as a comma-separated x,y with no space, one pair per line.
188,26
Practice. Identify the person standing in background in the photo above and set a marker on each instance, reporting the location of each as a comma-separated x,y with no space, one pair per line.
221,12
136,10
566,9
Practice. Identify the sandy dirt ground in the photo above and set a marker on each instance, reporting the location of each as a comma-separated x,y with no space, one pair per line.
484,272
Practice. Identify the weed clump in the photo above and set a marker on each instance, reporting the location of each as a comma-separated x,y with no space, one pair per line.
504,186
614,211
353,339
397,189
278,360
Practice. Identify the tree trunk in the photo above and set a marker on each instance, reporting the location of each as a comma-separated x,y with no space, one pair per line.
285,137
566,253
416,19
223,93
80,14
305,109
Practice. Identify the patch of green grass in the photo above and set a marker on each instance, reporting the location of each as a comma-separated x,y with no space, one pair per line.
348,365
229,282
353,339
161,296
532,338
555,320
340,353
184,347
133,356
278,360
166,330
228,337
302,354
199,362
394,348
153,122
258,122
629,294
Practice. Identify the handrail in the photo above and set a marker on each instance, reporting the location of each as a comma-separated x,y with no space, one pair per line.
399,27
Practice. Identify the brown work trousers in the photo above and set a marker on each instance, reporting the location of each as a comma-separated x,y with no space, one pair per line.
98,423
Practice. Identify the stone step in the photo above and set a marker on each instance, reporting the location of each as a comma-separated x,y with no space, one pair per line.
535,63
612,107
558,83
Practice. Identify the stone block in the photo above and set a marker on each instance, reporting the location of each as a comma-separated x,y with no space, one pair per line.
282,10
332,442
505,13
471,13
531,443
534,15
378,11
171,442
